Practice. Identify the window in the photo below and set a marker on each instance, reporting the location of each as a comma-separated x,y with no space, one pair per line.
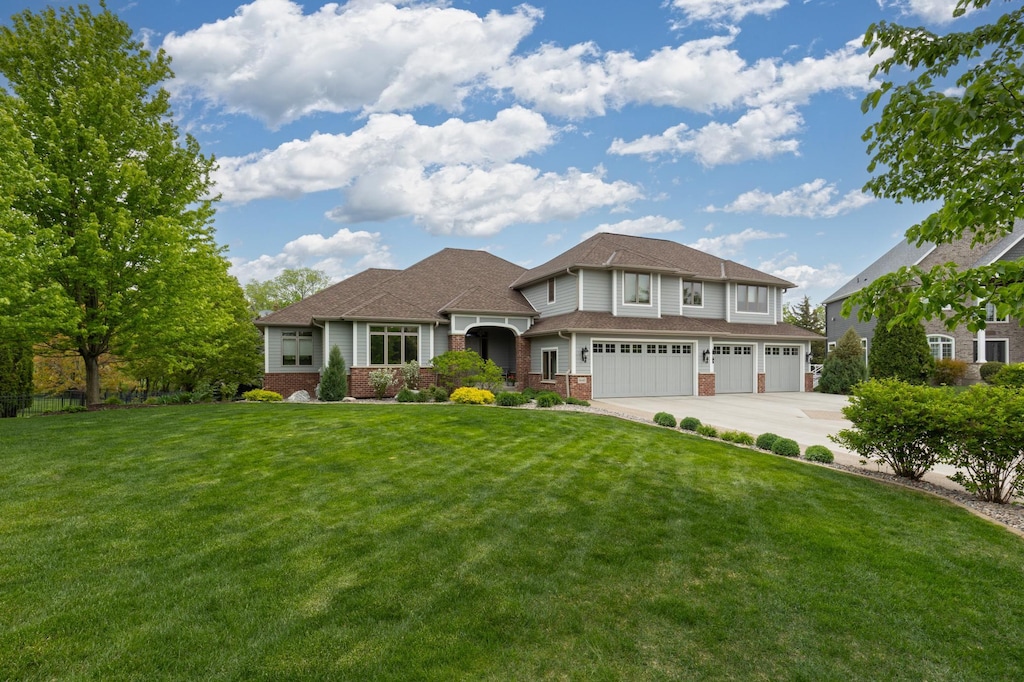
751,299
693,293
394,345
296,348
942,347
551,290
636,288
991,316
549,362
995,350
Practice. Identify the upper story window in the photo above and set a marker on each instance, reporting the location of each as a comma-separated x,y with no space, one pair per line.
751,298
693,293
941,346
636,287
551,290
296,348
992,316
394,344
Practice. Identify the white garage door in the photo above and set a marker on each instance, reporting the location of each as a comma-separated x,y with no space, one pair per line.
782,369
636,370
734,369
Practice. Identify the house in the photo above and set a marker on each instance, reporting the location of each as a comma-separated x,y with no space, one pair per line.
1001,341
614,316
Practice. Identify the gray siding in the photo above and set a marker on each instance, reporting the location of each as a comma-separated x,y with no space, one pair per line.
272,339
565,296
440,345
597,290
714,303
636,309
670,295
836,325
539,344
340,334
1015,253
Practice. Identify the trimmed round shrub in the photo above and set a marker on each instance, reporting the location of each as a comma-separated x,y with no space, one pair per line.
707,431
471,396
577,401
787,447
665,419
738,437
689,423
437,394
510,399
1010,376
989,370
819,453
766,440
259,395
949,372
548,399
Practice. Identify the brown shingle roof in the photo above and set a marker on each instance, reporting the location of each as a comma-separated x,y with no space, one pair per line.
671,324
607,250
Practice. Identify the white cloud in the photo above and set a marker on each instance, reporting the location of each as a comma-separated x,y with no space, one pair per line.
759,133
273,62
810,200
825,279
726,10
938,11
340,255
652,224
729,245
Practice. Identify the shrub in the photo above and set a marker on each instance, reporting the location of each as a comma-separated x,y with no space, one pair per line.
410,373
707,431
436,393
548,399
257,395
1010,375
949,372
406,395
113,400
381,381
986,434
457,368
844,367
151,400
530,393
334,382
989,369
201,393
738,437
468,395
819,453
787,447
665,419
16,367
766,440
900,351
183,397
689,423
489,377
510,399
227,390
577,401
898,424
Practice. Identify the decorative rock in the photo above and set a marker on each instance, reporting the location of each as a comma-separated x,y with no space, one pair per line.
349,399
299,397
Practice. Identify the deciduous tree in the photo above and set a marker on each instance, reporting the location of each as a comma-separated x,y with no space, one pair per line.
291,286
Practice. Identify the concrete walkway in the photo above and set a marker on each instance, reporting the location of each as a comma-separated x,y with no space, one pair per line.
807,418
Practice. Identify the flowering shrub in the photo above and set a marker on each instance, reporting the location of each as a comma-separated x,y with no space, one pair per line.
260,396
472,396
381,380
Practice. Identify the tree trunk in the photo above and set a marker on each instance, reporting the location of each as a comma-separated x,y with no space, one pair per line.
92,378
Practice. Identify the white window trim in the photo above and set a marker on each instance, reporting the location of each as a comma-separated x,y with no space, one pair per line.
767,300
682,294
994,320
944,337
543,364
650,292
369,351
999,339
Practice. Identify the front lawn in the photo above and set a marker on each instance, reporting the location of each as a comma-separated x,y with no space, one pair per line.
361,542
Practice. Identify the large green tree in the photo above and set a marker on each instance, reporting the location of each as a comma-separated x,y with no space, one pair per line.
953,133
900,351
291,286
120,215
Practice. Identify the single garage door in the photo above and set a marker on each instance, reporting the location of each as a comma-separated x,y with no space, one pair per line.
781,369
637,370
734,369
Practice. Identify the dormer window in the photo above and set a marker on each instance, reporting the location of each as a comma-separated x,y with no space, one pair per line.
636,287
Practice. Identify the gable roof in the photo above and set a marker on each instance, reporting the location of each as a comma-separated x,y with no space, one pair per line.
607,250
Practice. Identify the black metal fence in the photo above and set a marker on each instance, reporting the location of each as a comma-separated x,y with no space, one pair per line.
29,405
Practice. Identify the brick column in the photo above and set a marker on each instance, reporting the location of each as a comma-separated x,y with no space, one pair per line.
760,383
706,384
456,342
809,382
522,363
584,390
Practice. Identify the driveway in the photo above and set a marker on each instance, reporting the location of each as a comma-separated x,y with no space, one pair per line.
807,418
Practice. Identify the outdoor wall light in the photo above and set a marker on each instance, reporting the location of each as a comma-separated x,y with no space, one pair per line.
583,353
809,356
707,355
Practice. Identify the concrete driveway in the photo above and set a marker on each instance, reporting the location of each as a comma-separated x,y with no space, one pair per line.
807,418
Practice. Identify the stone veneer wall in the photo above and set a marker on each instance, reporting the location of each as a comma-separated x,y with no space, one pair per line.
289,383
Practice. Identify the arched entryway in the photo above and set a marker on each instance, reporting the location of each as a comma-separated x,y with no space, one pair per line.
497,344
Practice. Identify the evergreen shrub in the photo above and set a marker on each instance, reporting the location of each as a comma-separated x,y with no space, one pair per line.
665,419
1010,375
548,399
766,440
689,423
468,395
819,453
787,447
989,370
510,399
334,382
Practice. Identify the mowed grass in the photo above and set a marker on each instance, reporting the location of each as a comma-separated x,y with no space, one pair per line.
359,542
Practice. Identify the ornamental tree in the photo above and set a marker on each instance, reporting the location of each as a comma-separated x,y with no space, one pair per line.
952,134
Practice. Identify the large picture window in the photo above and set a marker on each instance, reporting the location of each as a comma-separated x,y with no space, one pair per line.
296,348
751,299
693,293
636,287
394,344
941,346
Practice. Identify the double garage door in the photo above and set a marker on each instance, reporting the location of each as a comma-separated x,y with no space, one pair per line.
634,370
734,369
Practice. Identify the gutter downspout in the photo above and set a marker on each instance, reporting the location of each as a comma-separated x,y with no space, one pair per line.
572,359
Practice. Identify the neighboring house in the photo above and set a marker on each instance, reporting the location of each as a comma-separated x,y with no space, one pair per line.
1001,341
614,316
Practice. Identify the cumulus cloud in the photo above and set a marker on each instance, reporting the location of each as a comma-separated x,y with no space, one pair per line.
938,11
729,245
827,278
725,10
813,199
273,62
759,133
652,224
340,255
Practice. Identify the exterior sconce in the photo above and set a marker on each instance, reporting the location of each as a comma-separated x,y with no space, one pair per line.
583,353
707,355
809,356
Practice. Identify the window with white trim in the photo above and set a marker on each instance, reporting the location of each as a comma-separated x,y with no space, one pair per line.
991,315
393,345
636,287
549,364
751,298
296,348
942,347
693,293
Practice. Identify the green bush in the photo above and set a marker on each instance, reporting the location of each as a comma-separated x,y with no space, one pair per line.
458,368
510,399
410,373
986,436
707,431
406,395
382,380
1010,375
766,440
334,382
787,447
201,393
490,376
738,437
151,400
16,367
665,419
989,369
72,409
819,453
113,400
844,367
467,395
548,399
689,423
577,401
530,393
900,351
949,372
898,424
257,395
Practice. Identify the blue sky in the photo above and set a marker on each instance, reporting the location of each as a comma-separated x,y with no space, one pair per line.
372,133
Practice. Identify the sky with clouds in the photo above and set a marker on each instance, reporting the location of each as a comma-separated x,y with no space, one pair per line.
373,133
